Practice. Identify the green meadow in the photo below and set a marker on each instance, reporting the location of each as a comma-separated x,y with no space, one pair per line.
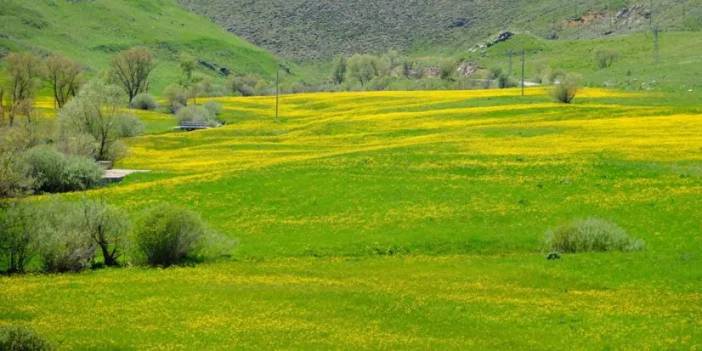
404,220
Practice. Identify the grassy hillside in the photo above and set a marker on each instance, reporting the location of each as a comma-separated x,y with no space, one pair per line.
309,29
405,220
93,31
677,65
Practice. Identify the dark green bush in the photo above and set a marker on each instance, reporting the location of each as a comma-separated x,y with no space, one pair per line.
56,172
168,235
21,339
591,235
145,102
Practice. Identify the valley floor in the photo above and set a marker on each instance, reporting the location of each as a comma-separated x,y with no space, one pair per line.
405,220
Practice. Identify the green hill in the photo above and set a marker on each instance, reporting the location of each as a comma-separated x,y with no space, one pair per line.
93,31
310,29
675,66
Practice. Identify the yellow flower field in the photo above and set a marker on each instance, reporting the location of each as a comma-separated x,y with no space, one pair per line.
404,220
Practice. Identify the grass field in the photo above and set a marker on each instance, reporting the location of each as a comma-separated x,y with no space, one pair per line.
405,220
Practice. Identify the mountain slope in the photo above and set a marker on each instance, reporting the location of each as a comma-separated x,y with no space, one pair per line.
93,31
311,29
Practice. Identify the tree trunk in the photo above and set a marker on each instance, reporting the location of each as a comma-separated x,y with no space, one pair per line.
108,257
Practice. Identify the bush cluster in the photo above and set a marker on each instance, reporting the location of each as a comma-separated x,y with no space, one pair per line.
591,235
73,236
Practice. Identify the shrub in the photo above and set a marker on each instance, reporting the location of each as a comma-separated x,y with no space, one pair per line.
176,97
565,89
244,85
206,88
80,173
18,236
168,235
127,126
65,245
591,235
56,172
197,114
21,339
605,58
145,102
15,177
214,107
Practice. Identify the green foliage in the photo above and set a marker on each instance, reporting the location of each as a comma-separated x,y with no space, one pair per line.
565,89
363,68
144,101
19,238
14,338
56,172
339,70
591,235
168,235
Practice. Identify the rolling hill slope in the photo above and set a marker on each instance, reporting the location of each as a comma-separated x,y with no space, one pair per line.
311,29
92,31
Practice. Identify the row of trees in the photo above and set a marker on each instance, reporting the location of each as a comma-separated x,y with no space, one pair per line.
380,71
130,70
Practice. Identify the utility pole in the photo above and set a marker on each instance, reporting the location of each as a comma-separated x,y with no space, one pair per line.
523,66
277,92
650,17
656,45
510,53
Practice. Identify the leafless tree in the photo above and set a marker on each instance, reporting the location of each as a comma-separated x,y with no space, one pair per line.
24,70
64,75
131,70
